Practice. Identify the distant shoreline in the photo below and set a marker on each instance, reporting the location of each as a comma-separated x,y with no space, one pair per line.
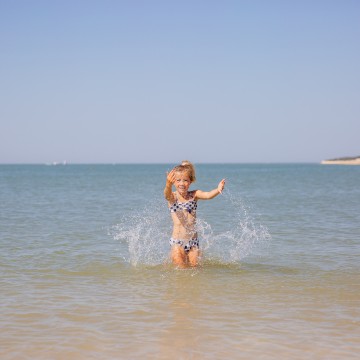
342,161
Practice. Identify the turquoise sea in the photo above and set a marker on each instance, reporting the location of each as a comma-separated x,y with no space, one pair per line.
84,270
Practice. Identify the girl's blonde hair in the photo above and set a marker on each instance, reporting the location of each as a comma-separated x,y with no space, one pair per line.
187,166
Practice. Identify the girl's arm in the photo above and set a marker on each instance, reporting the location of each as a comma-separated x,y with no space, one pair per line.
170,179
207,195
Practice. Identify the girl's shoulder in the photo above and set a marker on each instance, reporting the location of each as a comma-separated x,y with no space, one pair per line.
193,194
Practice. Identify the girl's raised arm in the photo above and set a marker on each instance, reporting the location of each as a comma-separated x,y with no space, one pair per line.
170,179
207,195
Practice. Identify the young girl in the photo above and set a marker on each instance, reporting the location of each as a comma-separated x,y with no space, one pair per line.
182,205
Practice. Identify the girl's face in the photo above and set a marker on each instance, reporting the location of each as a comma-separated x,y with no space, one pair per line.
182,182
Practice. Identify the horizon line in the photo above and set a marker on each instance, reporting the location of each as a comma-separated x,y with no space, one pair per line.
161,163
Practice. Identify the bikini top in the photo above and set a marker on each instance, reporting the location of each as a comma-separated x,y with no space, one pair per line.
189,206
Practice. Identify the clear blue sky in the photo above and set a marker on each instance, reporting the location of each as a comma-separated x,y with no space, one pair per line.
161,81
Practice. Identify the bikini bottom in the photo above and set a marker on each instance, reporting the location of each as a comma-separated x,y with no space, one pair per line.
186,244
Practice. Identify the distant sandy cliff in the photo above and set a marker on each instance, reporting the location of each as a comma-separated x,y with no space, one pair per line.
343,161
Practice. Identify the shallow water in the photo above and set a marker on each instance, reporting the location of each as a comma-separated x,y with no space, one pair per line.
85,272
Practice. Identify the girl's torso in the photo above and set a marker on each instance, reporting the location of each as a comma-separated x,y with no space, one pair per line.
183,213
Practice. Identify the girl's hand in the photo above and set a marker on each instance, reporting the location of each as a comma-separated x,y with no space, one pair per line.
221,186
170,178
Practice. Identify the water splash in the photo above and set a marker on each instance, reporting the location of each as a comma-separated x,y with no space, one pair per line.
246,234
146,234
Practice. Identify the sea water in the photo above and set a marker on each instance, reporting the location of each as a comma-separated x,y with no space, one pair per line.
85,271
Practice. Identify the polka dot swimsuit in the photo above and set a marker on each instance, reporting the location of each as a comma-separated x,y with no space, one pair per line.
189,206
